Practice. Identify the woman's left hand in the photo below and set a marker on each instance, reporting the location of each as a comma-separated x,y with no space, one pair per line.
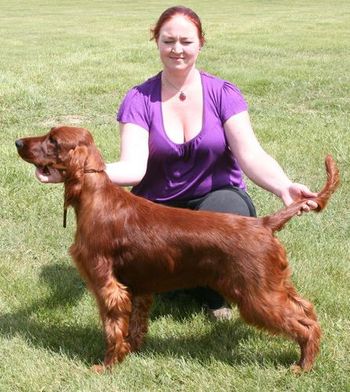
295,192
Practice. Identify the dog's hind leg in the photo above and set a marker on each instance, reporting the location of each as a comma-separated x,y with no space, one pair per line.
309,346
293,317
138,324
281,311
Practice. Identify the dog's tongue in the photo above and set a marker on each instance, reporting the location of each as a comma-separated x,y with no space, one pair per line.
45,170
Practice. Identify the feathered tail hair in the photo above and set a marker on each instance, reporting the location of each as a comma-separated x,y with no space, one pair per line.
276,221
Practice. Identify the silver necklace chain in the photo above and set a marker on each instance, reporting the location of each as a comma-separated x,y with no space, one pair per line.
182,95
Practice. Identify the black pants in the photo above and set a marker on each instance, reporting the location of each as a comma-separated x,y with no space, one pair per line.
230,200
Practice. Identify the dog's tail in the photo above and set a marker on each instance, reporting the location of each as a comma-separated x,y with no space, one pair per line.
276,221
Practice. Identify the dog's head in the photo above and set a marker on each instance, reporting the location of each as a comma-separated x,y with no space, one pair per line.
70,150
63,148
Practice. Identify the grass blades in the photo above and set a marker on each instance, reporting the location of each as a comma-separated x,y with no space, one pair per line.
72,62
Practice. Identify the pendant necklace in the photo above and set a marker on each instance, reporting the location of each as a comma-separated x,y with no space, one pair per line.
182,95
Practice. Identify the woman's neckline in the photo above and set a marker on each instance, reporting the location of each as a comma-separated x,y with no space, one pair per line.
162,117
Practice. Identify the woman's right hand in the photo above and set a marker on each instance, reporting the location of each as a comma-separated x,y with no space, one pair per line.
49,175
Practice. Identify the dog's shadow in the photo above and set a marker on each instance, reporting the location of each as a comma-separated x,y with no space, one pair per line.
41,323
230,341
223,341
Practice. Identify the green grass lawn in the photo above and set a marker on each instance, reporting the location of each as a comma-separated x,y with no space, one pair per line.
71,62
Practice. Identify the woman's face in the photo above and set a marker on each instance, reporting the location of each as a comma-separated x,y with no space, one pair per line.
178,44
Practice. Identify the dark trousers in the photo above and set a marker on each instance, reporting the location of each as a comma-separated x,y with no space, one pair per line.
230,200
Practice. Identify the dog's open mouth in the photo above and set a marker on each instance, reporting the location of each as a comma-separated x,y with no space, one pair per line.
45,170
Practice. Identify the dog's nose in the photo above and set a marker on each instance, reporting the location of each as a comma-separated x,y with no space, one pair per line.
19,144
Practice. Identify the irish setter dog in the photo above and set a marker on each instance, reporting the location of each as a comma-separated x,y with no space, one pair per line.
128,248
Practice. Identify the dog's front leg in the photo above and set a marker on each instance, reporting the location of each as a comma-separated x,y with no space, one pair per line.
138,325
114,302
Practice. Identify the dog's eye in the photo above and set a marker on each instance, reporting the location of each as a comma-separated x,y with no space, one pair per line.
53,141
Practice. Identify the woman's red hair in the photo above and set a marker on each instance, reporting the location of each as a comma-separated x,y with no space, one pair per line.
178,10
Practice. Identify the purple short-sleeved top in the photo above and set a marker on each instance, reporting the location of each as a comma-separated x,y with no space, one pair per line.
194,168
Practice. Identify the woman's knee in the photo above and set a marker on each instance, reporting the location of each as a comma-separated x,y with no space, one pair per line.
228,200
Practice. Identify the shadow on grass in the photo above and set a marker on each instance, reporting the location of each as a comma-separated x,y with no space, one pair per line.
41,323
230,341
46,322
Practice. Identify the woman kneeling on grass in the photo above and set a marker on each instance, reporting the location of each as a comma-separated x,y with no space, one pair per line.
186,137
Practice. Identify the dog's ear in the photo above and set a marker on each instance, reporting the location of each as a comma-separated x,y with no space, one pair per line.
94,160
80,160
74,163
86,158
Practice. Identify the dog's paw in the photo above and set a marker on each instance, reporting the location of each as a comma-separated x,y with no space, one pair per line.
99,369
296,369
